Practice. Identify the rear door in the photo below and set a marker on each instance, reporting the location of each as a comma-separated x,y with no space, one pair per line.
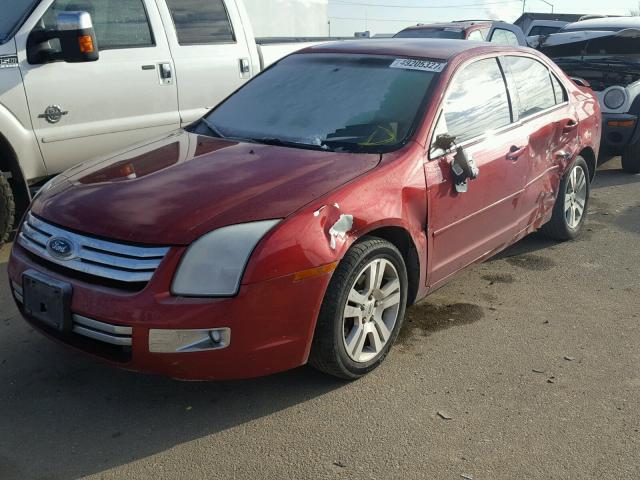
210,50
551,126
463,227
81,110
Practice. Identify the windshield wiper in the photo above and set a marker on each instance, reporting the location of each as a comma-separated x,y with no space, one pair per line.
288,143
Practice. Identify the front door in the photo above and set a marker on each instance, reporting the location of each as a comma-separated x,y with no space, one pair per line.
463,227
82,110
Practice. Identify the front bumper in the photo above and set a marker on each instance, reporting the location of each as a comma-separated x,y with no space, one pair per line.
271,322
618,131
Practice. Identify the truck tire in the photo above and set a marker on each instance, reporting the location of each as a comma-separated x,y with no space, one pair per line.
363,309
631,159
7,210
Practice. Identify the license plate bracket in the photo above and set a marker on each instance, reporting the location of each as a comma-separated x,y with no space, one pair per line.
47,300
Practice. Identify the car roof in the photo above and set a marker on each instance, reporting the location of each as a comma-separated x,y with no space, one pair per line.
463,24
610,23
428,48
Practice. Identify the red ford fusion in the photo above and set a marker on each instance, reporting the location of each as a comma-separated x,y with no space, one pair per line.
297,220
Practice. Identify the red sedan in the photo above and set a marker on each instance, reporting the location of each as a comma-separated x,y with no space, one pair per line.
297,221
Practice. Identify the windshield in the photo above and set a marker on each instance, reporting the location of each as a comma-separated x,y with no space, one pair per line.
338,102
13,13
441,32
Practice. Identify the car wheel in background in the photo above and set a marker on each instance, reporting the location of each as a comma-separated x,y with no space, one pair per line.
362,311
631,159
7,210
570,209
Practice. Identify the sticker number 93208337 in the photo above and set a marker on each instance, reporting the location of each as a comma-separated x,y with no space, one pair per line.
8,62
423,65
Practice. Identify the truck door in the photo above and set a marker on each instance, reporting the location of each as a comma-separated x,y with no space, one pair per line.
211,51
82,110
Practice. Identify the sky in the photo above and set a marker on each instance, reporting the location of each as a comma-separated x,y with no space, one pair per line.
390,16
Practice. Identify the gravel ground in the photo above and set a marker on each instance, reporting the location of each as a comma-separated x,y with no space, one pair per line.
532,359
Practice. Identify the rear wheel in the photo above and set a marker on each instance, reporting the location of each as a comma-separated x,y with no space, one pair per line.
570,209
631,159
362,312
7,210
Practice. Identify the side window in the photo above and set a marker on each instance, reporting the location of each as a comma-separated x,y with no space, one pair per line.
476,102
504,37
532,82
559,91
201,22
118,23
476,35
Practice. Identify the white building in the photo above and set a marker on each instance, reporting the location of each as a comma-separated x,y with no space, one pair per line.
289,18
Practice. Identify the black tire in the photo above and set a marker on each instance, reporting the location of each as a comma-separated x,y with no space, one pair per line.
7,210
558,227
631,159
328,351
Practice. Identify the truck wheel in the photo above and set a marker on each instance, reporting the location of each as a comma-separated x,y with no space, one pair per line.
631,159
570,209
7,210
362,311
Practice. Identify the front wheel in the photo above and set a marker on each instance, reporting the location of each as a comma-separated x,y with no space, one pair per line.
631,159
570,209
362,311
7,210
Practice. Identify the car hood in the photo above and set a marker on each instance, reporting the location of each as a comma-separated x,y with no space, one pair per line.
173,190
577,42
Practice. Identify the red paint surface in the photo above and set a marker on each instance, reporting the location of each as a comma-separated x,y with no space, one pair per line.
199,184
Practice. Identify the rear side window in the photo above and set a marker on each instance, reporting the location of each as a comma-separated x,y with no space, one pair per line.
559,91
476,102
533,86
118,23
201,22
504,37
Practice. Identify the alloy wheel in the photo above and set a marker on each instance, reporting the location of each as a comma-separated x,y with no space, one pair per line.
371,311
575,197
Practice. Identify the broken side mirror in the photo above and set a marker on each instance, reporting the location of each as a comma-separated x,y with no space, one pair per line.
464,168
76,36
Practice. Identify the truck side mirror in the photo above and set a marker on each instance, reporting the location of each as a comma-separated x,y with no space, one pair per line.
76,35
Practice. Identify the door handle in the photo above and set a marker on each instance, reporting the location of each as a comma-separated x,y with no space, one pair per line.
516,152
166,73
570,126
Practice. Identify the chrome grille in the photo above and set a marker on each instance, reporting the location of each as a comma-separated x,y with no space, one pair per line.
92,256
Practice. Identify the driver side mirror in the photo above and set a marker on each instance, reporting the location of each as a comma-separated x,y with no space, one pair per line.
463,167
75,34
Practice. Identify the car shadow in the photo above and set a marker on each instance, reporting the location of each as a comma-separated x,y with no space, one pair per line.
67,416
613,177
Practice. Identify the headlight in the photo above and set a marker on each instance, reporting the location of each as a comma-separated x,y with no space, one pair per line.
615,98
214,264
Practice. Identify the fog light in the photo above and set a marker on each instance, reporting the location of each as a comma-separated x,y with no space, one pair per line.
215,335
184,341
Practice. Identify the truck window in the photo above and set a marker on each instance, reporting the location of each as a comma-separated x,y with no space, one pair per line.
504,37
201,22
476,103
118,23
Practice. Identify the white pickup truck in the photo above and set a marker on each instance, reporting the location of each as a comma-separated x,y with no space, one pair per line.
82,78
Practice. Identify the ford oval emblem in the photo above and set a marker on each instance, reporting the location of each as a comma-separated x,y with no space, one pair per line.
61,248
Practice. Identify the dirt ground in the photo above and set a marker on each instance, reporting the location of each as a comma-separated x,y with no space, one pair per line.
532,357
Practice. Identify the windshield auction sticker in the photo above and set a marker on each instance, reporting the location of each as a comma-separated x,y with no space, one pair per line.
422,65
9,62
